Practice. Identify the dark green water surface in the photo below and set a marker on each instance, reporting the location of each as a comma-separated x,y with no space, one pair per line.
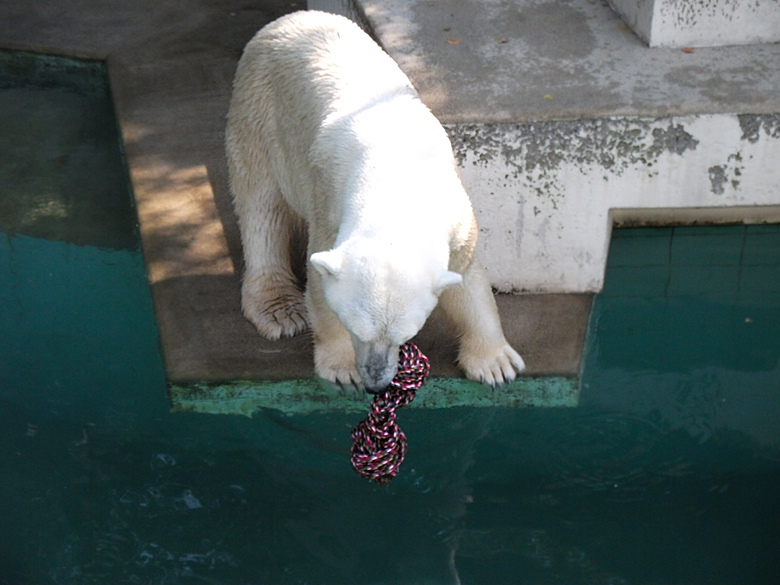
668,472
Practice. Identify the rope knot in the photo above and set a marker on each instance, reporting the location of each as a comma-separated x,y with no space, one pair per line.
378,444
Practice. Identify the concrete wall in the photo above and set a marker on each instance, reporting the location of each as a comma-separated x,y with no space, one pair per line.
704,23
546,194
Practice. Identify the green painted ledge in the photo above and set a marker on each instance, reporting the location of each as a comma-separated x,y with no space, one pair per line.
312,396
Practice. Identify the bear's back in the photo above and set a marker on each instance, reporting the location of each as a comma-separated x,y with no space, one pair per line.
302,76
325,59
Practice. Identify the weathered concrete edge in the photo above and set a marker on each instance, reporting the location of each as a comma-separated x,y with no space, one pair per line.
314,397
547,194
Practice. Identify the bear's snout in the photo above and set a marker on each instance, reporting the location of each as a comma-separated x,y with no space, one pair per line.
377,366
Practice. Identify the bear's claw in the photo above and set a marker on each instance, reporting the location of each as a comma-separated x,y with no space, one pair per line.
335,364
492,366
342,381
276,313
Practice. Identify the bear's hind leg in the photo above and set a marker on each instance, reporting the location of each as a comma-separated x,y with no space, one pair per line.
271,297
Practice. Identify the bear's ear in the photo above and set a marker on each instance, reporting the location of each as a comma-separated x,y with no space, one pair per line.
446,280
327,263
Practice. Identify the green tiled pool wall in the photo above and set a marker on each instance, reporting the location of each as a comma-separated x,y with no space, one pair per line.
716,288
724,263
686,334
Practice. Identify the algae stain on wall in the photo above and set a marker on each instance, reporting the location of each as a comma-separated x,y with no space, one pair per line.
543,191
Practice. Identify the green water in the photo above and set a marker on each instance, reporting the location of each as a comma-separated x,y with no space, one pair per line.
667,472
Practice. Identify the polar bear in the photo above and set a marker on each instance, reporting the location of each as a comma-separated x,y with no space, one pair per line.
326,136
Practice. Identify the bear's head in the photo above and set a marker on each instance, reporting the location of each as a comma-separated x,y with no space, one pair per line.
382,295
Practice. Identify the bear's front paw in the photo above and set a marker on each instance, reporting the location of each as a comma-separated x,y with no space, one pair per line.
276,310
493,365
335,363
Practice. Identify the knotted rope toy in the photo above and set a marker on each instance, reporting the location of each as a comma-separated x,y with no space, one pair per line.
378,444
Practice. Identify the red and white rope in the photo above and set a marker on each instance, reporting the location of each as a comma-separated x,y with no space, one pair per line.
378,444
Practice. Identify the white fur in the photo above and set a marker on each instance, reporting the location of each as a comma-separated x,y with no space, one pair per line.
325,130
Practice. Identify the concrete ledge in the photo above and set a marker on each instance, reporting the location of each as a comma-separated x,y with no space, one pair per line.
637,217
309,396
206,339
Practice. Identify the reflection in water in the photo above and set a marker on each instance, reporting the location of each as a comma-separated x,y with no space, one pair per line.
61,170
665,473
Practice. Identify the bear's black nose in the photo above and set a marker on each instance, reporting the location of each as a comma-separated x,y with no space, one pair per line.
376,379
377,390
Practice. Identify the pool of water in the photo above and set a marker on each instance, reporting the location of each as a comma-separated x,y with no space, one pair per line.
668,471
